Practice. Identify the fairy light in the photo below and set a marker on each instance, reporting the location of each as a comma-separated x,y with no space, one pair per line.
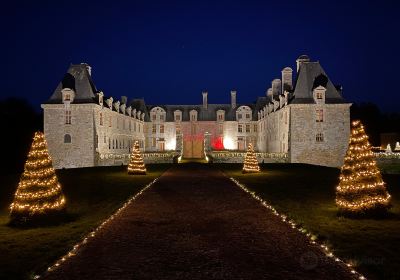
361,187
39,191
75,249
311,237
250,164
136,165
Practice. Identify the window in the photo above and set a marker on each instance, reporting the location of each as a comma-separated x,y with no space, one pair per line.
134,126
162,128
319,115
67,116
109,143
240,128
153,142
101,118
67,138
110,121
67,97
193,115
178,129
319,137
105,139
154,128
255,128
220,129
153,117
239,116
177,117
130,125
247,116
247,128
319,95
161,117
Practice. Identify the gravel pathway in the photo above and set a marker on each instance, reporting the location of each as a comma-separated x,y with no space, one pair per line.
194,223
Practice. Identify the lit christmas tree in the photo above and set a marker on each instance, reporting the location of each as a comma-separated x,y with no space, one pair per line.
361,189
39,192
136,165
250,164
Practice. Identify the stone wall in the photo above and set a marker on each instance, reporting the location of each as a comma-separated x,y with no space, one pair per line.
80,152
335,128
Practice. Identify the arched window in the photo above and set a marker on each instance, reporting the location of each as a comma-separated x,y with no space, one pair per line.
67,138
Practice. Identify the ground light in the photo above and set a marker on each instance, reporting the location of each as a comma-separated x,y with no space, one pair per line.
301,229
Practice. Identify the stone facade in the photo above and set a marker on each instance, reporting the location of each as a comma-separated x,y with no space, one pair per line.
308,122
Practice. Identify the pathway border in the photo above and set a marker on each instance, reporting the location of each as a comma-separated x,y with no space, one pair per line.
300,228
75,249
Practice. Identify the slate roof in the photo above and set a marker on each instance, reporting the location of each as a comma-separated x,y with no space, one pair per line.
310,76
209,114
79,79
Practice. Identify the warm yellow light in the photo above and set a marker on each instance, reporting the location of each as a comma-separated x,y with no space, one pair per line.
361,187
38,191
250,164
136,165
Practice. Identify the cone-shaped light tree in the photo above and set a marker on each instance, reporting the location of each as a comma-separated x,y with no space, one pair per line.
361,189
250,164
39,192
136,165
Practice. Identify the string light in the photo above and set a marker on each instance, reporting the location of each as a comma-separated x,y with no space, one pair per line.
39,191
311,237
250,164
361,187
75,249
136,165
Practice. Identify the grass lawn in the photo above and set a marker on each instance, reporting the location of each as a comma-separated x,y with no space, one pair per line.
92,195
307,194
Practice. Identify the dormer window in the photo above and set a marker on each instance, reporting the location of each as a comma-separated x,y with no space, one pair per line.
178,115
319,95
67,95
193,115
243,113
220,115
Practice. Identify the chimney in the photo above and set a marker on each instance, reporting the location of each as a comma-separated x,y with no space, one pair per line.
88,68
269,93
301,59
233,98
276,87
124,99
205,102
287,83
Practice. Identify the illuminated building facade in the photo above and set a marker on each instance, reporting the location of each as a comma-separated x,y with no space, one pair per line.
308,120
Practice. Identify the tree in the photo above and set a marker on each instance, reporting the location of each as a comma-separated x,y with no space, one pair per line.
39,192
361,189
136,165
250,164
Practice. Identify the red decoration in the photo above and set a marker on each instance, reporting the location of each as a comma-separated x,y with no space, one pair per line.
217,143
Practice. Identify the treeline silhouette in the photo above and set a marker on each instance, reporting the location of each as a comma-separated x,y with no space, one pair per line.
19,120
375,121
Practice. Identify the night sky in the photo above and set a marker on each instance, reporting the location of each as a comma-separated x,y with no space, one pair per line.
168,52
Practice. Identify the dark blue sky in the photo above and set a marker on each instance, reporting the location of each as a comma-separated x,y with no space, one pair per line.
168,52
